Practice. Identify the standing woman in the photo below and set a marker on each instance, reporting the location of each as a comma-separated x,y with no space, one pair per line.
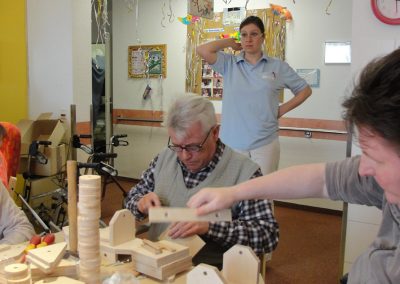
252,81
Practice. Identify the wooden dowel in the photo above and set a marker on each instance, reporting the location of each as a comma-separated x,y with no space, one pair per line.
72,206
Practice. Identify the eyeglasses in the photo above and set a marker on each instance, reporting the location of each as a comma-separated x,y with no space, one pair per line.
250,35
189,148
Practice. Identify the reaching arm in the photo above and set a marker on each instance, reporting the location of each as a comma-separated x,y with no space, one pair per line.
208,51
295,182
294,102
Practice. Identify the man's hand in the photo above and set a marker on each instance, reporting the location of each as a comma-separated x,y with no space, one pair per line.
187,229
149,200
209,200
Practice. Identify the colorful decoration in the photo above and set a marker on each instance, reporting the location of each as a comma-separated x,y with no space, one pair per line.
282,12
235,35
189,19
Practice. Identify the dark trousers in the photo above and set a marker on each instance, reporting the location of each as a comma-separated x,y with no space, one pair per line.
343,280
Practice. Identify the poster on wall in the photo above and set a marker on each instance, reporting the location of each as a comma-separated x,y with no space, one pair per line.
147,61
201,8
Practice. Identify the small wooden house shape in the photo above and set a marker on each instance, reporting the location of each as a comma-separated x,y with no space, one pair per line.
240,266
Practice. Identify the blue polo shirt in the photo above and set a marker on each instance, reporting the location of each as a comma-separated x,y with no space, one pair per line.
251,98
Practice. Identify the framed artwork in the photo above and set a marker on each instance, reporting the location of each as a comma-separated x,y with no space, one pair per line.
201,8
311,76
147,61
212,83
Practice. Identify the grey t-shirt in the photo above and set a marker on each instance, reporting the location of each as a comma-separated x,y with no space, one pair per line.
380,263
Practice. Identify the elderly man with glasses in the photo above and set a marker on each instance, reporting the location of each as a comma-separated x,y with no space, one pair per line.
196,158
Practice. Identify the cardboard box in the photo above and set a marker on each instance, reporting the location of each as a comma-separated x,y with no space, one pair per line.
39,187
42,129
56,160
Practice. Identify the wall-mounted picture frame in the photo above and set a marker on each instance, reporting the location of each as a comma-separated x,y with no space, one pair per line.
147,61
337,52
311,76
201,8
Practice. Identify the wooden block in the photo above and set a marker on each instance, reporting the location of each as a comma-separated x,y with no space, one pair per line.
194,243
165,271
46,258
59,280
168,214
66,267
122,227
138,253
205,274
241,265
26,280
150,246
16,271
10,254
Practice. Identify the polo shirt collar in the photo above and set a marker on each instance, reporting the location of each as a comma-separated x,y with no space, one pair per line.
240,57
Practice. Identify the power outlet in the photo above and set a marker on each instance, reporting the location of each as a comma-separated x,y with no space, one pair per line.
307,134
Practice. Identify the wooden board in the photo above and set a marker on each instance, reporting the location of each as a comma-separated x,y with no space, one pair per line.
46,258
165,271
168,214
59,280
138,253
66,267
194,243
122,227
205,274
241,265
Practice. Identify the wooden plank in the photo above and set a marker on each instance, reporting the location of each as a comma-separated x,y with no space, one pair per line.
72,205
48,257
194,243
59,280
122,227
205,274
241,265
165,271
168,214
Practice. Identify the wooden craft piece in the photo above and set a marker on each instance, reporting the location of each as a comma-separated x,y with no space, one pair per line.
165,271
241,265
59,280
168,214
205,274
138,253
72,206
66,267
150,246
26,280
46,258
16,271
10,254
194,243
4,247
122,227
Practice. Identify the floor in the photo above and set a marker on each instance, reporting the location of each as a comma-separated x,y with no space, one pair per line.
308,250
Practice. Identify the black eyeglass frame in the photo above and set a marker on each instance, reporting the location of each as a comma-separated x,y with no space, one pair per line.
189,148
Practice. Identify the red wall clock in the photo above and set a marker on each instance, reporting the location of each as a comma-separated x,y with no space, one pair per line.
387,11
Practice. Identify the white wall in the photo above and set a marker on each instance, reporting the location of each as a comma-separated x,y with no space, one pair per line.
58,33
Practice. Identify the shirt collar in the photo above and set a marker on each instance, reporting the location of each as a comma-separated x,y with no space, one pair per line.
240,57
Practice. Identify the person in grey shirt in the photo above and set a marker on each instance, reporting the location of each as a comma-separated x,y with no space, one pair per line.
15,227
372,179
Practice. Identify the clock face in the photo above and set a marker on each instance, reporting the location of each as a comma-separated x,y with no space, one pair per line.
387,11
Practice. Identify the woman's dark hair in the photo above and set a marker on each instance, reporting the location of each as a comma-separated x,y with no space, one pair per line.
253,20
375,100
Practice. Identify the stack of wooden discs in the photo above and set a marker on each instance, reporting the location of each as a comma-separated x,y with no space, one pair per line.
17,273
88,228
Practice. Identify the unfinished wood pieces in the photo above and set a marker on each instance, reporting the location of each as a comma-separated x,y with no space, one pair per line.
241,265
194,243
59,280
72,169
168,214
16,271
88,228
9,254
122,227
48,257
205,274
152,247
66,267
